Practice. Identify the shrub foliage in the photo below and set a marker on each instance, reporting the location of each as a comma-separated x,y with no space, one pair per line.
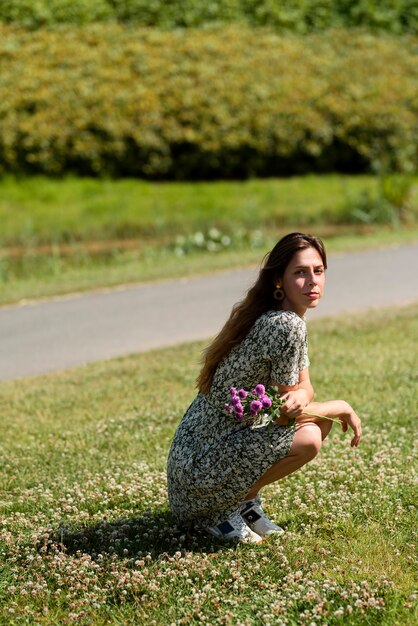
105,99
300,16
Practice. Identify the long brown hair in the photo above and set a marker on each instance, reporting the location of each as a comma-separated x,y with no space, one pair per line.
258,300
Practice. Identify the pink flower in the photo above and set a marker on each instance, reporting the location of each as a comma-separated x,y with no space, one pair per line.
238,408
265,401
245,406
259,390
255,407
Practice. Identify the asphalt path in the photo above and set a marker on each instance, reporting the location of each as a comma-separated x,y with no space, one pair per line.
51,335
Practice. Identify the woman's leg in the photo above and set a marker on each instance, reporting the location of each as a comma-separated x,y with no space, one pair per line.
306,445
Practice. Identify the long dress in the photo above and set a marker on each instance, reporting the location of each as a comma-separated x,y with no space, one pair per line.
213,460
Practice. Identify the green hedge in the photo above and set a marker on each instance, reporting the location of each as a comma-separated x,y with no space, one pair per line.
300,16
231,102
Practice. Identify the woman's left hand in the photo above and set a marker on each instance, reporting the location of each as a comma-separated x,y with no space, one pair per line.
295,403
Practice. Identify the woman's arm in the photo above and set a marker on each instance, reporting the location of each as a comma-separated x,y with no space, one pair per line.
297,396
339,409
298,400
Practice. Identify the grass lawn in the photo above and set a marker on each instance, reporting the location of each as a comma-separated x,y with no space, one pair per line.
86,535
61,236
55,275
40,210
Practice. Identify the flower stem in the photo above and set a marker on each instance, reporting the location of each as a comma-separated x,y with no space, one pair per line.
323,417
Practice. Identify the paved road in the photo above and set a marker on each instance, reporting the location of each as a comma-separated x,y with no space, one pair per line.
56,334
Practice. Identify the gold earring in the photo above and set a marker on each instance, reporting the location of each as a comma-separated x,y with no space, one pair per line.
278,293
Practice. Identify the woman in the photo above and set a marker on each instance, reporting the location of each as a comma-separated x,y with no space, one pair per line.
217,466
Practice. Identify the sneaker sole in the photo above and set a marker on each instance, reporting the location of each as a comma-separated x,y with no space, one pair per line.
253,538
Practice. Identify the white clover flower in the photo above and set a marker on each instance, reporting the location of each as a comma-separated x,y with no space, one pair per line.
214,233
199,238
212,246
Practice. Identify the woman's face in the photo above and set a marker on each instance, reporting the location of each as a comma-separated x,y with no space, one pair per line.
303,281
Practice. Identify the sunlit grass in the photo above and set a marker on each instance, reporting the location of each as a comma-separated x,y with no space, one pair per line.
43,210
86,535
63,236
57,275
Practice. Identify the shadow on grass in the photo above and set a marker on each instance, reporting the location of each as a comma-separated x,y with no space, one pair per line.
152,533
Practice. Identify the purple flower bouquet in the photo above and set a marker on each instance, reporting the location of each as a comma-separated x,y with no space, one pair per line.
258,405
261,407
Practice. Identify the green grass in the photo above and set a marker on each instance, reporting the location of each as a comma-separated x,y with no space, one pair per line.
61,236
43,210
87,537
52,276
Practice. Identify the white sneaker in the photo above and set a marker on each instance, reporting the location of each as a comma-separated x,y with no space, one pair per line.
257,520
234,527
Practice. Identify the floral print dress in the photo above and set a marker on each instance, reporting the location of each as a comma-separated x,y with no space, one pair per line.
213,460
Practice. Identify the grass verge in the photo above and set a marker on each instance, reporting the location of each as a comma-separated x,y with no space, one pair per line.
87,537
61,236
40,210
55,275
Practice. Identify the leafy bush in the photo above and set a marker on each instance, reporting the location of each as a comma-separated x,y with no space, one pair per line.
39,13
299,16
227,102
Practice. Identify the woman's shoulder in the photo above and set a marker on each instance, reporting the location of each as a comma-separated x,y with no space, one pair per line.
273,325
278,328
288,319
